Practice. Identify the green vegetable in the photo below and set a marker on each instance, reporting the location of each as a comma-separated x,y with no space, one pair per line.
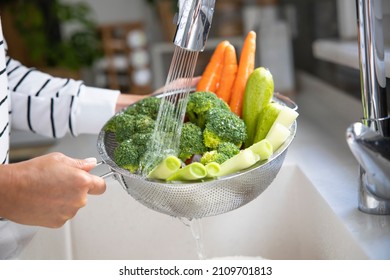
213,169
133,130
141,139
120,119
277,135
144,124
224,151
287,116
266,118
258,92
199,103
126,155
193,171
263,148
191,141
128,125
228,148
223,126
244,159
125,127
166,168
213,156
148,106
280,131
110,126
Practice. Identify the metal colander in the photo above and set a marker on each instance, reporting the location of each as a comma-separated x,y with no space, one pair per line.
197,199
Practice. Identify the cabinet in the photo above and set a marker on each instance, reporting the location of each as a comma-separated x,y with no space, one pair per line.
126,62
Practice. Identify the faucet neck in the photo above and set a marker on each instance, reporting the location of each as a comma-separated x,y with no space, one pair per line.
193,25
372,64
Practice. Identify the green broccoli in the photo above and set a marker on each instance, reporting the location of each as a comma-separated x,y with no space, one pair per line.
224,151
113,123
125,126
148,106
127,155
110,126
143,123
228,149
191,141
223,126
199,103
213,156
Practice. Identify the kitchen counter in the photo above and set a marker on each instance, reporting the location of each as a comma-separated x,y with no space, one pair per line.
115,226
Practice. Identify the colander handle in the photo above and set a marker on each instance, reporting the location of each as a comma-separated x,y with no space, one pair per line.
107,174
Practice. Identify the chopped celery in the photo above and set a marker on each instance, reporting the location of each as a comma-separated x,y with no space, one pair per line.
193,171
287,116
242,160
277,135
213,168
166,168
263,148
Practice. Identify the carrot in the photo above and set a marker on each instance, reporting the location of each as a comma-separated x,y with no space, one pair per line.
212,74
228,74
245,68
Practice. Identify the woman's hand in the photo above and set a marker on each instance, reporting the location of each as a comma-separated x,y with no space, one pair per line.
47,190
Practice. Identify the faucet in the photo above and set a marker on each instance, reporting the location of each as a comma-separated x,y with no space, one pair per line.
193,25
369,140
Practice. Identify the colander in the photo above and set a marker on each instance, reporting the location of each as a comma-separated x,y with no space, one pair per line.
197,199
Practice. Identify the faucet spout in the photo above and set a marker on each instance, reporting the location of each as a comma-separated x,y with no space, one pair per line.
193,25
372,151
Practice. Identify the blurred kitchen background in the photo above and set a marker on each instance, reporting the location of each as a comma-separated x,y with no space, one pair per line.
127,44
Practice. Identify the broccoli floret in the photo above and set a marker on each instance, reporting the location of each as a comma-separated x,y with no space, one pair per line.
126,155
213,156
112,124
224,151
199,103
125,126
144,124
141,139
223,126
228,148
148,106
191,141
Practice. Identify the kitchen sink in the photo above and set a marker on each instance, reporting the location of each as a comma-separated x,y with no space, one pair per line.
290,220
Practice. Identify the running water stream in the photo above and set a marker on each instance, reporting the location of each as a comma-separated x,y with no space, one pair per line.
197,233
165,139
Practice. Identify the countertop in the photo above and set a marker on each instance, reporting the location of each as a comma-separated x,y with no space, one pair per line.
320,150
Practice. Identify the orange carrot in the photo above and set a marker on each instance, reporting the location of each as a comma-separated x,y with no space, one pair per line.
245,68
228,74
211,75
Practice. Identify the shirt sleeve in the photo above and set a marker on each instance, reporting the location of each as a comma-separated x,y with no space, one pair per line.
53,106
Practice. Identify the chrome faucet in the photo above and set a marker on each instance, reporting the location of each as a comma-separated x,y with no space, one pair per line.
193,24
369,141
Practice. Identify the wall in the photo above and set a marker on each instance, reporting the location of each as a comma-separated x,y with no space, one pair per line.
125,11
116,10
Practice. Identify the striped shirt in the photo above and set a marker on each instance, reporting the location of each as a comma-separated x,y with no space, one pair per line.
5,109
47,105
50,106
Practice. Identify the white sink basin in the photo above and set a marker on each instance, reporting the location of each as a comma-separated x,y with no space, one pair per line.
290,220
